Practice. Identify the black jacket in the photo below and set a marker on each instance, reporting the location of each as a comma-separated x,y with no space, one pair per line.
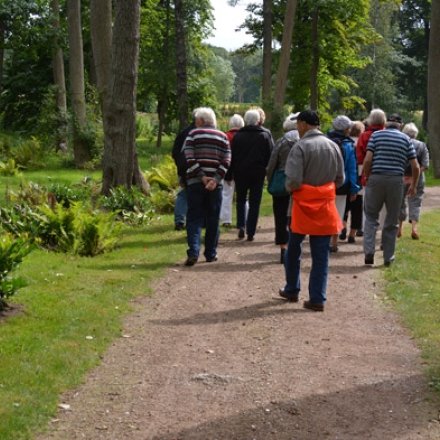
251,149
177,153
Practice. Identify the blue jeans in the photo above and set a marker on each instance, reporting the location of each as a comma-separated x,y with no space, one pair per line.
319,247
203,210
255,190
181,207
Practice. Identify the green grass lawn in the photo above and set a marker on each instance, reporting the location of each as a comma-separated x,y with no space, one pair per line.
413,286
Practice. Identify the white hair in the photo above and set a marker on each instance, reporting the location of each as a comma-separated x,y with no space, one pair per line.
207,115
377,117
252,117
411,130
290,123
236,121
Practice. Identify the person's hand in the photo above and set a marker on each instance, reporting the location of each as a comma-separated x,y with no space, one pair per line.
211,185
205,180
353,197
411,191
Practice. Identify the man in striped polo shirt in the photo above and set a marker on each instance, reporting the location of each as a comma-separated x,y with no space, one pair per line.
208,156
388,154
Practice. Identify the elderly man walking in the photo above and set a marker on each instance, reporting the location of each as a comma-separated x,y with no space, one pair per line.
314,169
208,156
388,153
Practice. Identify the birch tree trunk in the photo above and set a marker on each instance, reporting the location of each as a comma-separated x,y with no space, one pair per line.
81,150
434,89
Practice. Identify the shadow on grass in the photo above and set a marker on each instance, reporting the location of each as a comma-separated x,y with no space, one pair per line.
361,412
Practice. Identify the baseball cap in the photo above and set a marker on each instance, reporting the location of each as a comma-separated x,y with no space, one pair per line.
342,122
309,117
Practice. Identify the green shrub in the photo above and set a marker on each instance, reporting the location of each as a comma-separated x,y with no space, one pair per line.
66,194
164,175
9,168
29,153
29,193
95,232
163,201
12,252
122,200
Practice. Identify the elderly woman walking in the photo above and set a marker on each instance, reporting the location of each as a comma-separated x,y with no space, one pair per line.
415,202
277,162
251,149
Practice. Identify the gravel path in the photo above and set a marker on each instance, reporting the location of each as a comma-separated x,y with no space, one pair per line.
214,354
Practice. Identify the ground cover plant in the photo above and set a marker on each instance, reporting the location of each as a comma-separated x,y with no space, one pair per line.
413,287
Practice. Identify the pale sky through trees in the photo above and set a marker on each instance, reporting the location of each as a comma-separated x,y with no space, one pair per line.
227,19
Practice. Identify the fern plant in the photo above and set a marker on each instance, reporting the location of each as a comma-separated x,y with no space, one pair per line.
12,252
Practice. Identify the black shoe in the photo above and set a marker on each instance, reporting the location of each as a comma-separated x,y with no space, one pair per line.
369,259
250,238
333,249
179,227
389,262
343,234
291,297
359,233
211,260
241,234
313,306
282,256
190,261
227,225
351,239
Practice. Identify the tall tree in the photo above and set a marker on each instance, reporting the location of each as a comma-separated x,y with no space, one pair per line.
314,71
267,57
120,163
58,72
283,66
433,88
81,151
181,64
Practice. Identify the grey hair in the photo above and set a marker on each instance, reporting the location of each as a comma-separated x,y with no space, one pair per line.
207,115
411,130
236,121
377,117
252,117
290,123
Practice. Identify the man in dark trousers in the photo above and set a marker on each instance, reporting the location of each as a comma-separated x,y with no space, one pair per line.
181,205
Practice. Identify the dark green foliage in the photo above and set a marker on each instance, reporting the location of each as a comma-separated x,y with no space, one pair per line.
122,201
68,194
12,252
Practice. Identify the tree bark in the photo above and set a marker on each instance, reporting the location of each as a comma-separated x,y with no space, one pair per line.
2,51
266,92
120,165
181,65
434,89
283,67
81,150
314,93
59,76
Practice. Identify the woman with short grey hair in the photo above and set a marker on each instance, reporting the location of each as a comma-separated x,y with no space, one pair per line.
414,203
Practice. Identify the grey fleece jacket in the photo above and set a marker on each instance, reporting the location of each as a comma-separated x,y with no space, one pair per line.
314,160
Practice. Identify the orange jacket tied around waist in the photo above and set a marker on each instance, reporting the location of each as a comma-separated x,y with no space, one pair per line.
314,210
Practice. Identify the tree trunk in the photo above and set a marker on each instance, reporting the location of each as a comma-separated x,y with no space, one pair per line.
101,21
59,77
162,98
81,150
120,165
2,51
283,67
266,92
434,89
314,93
181,65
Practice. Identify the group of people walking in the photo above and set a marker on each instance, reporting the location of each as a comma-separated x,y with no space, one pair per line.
373,168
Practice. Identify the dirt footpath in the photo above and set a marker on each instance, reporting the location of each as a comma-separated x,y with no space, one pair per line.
214,354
